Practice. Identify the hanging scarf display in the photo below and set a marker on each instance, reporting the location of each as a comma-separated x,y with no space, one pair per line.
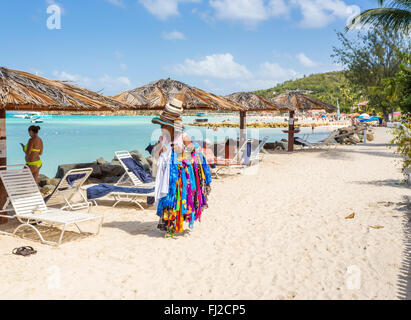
189,187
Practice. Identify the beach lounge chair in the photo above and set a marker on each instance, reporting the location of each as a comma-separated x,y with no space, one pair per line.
120,194
68,187
248,158
29,208
130,177
129,188
327,142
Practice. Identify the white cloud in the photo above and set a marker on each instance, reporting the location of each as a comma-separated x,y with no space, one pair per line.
315,13
110,84
320,13
117,3
164,9
223,67
275,72
220,66
251,12
305,61
174,35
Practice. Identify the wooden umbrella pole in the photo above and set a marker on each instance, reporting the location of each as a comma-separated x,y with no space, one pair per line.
243,134
291,132
3,158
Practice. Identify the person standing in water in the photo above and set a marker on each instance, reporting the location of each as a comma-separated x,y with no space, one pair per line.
33,150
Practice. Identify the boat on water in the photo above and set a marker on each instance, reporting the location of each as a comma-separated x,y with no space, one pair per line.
201,118
37,120
27,115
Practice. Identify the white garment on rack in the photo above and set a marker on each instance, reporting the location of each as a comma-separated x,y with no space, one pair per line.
163,175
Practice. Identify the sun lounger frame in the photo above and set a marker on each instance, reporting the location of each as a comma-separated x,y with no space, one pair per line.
255,156
64,190
129,178
24,197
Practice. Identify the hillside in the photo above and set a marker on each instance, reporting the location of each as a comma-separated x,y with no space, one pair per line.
327,87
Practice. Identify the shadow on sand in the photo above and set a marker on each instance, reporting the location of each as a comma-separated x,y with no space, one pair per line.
140,228
404,278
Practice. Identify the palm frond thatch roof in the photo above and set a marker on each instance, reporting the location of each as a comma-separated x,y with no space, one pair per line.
24,91
302,102
252,102
155,95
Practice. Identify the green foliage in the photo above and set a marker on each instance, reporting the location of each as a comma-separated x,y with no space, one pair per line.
327,87
395,15
402,140
373,59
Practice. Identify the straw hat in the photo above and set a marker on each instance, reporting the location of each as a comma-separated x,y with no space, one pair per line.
171,115
175,106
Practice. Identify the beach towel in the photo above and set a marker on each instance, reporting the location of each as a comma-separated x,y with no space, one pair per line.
73,178
138,169
247,154
102,190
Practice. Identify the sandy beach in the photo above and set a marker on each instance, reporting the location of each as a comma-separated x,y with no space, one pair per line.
279,231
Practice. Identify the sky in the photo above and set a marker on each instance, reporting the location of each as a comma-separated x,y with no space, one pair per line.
222,46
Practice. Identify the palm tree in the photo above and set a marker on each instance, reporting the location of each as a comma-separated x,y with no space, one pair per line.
396,15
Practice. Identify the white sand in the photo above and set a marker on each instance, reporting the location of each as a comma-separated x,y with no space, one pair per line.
280,233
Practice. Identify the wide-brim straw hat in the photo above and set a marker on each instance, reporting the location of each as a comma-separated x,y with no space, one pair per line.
175,106
177,124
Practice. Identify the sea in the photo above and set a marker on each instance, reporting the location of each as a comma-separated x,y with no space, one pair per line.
80,138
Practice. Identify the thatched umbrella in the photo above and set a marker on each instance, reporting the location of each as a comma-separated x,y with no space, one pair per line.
252,102
24,91
302,102
155,95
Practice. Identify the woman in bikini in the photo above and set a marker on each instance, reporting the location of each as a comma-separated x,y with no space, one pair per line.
33,150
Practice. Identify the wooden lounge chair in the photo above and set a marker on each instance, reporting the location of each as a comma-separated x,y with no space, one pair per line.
29,208
68,187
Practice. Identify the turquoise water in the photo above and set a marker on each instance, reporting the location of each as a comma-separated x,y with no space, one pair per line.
76,139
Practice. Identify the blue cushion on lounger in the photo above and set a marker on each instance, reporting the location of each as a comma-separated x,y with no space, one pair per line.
102,190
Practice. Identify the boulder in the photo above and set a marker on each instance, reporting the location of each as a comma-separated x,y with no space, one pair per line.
111,180
150,161
43,180
112,170
355,138
53,181
47,189
93,181
101,161
370,136
64,168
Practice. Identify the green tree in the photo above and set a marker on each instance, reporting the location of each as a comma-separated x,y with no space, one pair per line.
369,59
396,14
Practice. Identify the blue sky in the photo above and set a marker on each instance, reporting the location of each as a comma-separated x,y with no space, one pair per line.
221,46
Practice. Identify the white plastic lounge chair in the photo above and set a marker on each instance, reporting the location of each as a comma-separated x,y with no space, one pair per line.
129,176
255,157
29,207
118,197
64,192
128,179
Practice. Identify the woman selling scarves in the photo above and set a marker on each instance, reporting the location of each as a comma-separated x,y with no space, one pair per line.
182,176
